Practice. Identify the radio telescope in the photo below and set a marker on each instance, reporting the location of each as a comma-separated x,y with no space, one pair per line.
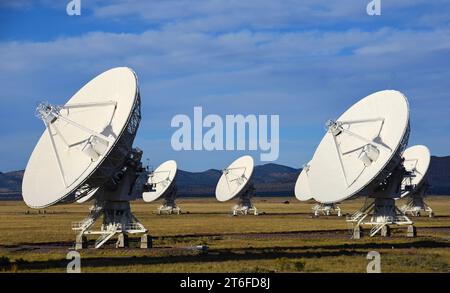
236,182
86,154
361,155
161,182
415,183
303,193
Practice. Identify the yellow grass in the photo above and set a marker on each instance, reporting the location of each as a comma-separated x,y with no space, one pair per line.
284,239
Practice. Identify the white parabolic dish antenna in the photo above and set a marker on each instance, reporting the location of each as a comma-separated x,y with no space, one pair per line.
303,193
302,190
161,179
416,163
86,140
360,149
235,178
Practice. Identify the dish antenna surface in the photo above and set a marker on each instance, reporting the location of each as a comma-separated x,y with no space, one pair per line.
161,183
236,182
360,155
86,153
302,189
303,193
415,184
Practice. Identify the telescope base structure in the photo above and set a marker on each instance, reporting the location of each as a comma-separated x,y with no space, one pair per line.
245,206
380,214
117,220
415,205
326,209
169,207
243,209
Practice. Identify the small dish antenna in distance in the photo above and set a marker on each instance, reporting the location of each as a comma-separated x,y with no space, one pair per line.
303,193
302,190
235,178
416,162
160,181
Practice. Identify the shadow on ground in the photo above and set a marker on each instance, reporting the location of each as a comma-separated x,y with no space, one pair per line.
220,255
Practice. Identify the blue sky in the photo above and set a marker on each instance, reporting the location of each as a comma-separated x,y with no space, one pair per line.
306,61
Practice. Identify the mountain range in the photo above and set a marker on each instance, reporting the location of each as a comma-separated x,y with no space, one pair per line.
269,180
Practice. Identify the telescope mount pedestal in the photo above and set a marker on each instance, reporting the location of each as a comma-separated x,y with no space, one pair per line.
245,206
383,213
379,211
113,206
169,206
326,209
416,203
117,220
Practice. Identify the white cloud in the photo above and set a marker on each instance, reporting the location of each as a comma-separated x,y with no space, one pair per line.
239,58
232,15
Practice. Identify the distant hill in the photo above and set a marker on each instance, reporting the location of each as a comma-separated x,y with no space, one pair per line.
273,179
269,179
439,175
10,185
197,183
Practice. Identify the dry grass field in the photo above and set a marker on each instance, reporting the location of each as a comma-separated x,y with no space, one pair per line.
285,238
